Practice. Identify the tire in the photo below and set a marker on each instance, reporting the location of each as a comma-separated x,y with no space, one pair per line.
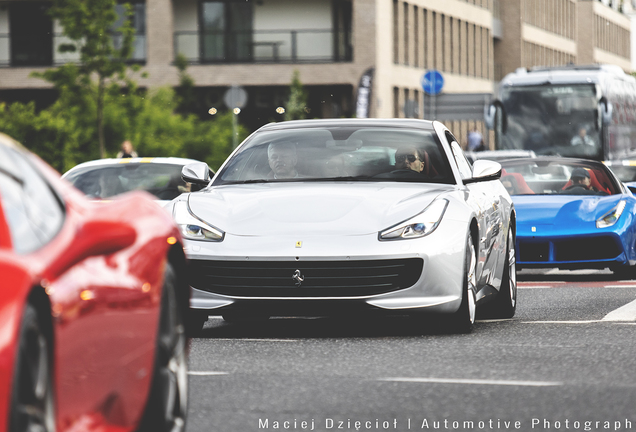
505,304
167,404
32,404
463,320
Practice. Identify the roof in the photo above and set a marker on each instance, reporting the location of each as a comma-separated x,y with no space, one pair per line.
369,122
137,160
565,74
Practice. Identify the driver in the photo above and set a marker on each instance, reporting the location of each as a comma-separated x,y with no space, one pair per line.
582,138
581,184
282,159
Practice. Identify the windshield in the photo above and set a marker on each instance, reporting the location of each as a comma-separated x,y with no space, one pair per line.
560,177
552,120
162,180
339,153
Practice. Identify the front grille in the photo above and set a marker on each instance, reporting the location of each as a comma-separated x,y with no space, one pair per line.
586,249
534,251
564,250
320,278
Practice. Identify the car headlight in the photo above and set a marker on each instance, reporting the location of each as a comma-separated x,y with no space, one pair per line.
610,218
419,225
193,228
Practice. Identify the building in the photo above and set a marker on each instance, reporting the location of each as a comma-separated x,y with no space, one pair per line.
382,46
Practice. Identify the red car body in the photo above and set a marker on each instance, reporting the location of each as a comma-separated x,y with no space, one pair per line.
98,284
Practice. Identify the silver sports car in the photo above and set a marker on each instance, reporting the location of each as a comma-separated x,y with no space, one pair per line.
319,217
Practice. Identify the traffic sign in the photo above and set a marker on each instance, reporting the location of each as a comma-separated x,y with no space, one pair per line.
432,82
235,97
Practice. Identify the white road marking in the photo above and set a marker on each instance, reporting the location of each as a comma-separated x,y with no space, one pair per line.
561,322
475,381
534,286
207,373
623,313
253,340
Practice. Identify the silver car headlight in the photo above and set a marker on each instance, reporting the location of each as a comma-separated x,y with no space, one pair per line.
193,228
611,217
419,225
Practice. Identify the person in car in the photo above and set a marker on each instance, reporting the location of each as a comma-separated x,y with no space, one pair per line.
581,184
282,159
409,158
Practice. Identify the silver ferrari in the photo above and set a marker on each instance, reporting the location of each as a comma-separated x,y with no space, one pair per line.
320,217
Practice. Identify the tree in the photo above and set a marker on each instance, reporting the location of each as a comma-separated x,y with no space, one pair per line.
90,24
296,108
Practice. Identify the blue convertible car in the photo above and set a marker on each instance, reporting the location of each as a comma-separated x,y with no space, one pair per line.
571,214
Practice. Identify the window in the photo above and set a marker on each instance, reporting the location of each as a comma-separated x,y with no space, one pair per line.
138,23
464,167
226,30
31,34
32,210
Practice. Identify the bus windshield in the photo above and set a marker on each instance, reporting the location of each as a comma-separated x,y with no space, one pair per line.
552,119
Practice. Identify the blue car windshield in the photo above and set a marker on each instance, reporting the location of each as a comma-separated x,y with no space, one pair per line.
339,154
557,177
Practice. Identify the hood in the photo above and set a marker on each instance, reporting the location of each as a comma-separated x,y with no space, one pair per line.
563,210
324,208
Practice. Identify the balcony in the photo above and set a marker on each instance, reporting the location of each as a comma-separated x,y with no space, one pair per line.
43,56
264,46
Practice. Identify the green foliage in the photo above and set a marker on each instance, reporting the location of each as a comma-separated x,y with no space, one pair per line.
104,46
64,134
296,108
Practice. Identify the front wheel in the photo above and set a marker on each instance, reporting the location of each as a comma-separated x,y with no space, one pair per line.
505,304
32,406
463,320
167,404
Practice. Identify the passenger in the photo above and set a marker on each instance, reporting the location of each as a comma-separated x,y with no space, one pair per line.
282,159
409,164
409,158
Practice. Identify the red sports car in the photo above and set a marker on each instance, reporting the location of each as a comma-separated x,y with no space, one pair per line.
93,303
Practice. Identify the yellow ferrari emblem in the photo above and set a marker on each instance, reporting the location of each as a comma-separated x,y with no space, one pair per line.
299,244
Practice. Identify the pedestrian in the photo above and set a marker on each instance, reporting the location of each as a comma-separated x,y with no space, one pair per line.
475,141
127,150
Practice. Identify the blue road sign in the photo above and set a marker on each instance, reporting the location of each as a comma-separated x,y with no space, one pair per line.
432,82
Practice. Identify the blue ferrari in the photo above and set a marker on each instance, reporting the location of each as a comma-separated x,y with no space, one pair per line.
571,214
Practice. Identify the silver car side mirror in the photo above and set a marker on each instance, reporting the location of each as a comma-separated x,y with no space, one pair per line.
197,173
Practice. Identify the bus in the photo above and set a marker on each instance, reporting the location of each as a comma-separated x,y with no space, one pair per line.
574,111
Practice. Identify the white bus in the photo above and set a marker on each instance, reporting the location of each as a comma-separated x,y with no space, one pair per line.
574,111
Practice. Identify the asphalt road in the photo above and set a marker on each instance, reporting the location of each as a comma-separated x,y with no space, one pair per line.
565,362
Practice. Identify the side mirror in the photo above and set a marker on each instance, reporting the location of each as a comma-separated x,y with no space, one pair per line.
632,189
196,173
484,170
96,237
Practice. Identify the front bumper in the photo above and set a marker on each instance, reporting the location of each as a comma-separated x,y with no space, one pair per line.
437,286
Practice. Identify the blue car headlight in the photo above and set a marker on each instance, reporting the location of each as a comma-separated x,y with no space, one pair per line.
611,217
419,225
193,228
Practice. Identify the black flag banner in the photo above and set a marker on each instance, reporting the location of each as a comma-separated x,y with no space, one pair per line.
363,101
